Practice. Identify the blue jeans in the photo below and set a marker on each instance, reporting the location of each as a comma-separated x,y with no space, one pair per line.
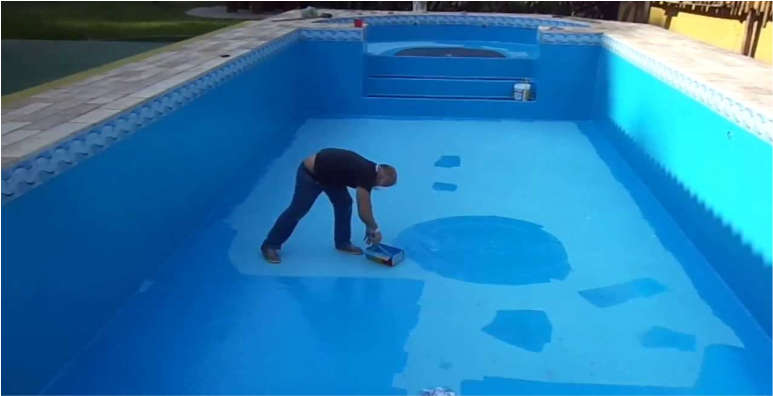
306,192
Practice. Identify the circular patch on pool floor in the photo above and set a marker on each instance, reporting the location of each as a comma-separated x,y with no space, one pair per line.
451,52
486,249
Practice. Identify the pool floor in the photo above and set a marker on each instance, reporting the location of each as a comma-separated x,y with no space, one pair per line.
537,263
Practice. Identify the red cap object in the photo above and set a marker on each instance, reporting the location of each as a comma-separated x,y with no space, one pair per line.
358,23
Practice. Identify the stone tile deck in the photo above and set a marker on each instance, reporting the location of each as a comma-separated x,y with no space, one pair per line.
41,121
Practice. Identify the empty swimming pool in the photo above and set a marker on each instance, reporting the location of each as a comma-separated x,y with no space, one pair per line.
557,245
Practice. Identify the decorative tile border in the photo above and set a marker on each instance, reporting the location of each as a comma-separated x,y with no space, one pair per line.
560,38
546,36
58,158
332,34
746,118
458,19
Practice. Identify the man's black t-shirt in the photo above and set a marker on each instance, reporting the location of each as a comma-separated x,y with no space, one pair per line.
339,168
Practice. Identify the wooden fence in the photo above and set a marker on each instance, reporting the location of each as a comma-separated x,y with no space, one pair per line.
720,9
755,14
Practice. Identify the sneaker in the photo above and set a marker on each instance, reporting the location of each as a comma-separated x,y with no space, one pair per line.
350,249
271,255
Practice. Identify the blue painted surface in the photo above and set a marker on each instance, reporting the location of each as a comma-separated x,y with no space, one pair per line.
486,249
449,161
661,337
458,78
333,87
569,94
494,35
157,268
526,329
621,293
216,319
440,88
78,256
203,328
483,68
719,363
447,187
338,88
719,189
508,50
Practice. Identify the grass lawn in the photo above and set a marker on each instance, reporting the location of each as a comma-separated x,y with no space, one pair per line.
103,20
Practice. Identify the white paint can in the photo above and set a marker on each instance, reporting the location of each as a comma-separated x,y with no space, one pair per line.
521,91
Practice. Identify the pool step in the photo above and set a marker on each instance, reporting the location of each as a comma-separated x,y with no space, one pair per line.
439,67
450,88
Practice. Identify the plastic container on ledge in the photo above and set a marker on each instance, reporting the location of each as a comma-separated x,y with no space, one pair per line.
522,92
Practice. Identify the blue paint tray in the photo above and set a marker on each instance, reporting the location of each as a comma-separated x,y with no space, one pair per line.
385,254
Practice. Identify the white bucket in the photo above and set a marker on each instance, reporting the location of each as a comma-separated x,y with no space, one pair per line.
521,92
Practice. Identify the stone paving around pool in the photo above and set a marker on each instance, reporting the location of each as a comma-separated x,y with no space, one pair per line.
735,86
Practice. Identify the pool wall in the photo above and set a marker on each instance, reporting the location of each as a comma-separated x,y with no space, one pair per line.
712,176
88,239
81,251
337,87
442,32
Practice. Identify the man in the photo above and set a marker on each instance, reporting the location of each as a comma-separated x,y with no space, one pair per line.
332,171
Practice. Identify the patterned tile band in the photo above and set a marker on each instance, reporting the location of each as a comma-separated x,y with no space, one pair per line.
743,116
458,19
570,38
332,34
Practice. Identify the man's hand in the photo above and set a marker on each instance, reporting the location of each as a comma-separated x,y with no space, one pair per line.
373,237
365,208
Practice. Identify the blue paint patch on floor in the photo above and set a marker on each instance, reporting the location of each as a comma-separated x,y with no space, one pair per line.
509,386
203,328
617,294
448,187
725,370
661,337
449,161
526,329
486,249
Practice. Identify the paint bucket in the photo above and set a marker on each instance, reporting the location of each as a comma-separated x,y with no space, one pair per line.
521,91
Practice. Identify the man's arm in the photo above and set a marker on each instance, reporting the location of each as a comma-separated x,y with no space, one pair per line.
365,208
